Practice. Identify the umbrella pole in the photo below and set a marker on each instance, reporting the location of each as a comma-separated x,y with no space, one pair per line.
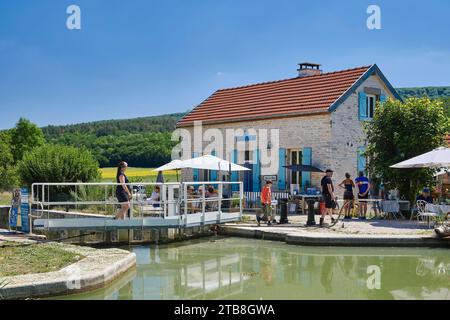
230,189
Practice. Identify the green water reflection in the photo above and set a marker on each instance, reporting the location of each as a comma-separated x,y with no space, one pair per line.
232,268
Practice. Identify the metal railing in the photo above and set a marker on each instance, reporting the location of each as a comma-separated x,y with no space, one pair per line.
175,199
253,199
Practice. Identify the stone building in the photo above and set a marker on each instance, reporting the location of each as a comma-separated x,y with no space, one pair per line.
319,117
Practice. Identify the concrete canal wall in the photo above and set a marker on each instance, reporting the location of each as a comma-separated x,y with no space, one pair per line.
97,269
133,236
302,236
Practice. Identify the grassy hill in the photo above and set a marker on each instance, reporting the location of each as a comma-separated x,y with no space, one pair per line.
432,92
142,142
163,123
441,93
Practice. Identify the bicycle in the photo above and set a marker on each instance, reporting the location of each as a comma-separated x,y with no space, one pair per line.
354,211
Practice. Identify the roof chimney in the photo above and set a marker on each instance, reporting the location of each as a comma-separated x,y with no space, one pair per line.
307,69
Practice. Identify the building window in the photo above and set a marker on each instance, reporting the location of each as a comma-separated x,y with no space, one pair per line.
295,158
247,156
370,105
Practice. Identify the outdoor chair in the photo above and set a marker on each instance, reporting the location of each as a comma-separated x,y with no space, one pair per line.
427,211
390,208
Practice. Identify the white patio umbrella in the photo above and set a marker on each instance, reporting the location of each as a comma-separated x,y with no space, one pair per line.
209,162
438,158
172,165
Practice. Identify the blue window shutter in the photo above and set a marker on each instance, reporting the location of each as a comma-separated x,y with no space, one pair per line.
196,172
361,159
383,98
306,160
234,174
214,173
282,169
362,106
256,172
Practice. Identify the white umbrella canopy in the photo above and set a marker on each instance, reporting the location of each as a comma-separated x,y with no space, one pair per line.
438,158
209,162
172,165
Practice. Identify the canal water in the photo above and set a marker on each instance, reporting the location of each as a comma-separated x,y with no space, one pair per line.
235,268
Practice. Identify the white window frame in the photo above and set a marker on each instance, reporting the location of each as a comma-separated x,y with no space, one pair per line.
299,162
242,157
368,98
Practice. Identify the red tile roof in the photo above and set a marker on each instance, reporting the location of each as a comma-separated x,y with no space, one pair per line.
448,140
290,97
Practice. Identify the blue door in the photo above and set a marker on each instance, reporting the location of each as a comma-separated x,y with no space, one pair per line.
248,178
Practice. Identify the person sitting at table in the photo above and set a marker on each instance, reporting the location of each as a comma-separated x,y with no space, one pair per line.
156,197
211,193
191,195
425,196
197,205
200,191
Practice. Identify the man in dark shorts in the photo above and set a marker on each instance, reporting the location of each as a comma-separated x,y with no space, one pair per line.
328,196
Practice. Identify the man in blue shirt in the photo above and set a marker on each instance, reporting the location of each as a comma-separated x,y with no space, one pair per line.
364,187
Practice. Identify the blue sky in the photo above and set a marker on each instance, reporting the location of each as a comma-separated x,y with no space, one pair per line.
141,57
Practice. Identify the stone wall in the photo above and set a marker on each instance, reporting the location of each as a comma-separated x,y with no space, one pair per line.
312,131
347,132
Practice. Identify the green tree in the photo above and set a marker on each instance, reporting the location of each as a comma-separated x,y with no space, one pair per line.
446,103
400,131
25,137
55,163
8,174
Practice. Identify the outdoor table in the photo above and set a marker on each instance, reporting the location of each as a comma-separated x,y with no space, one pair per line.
379,201
445,208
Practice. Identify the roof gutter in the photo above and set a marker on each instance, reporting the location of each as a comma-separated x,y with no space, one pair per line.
234,120
372,70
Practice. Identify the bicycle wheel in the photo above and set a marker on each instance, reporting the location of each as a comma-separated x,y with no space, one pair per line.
354,210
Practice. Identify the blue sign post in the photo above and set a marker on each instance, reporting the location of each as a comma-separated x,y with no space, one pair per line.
25,210
14,219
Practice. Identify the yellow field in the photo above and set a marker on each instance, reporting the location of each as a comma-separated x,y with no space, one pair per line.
144,173
5,198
